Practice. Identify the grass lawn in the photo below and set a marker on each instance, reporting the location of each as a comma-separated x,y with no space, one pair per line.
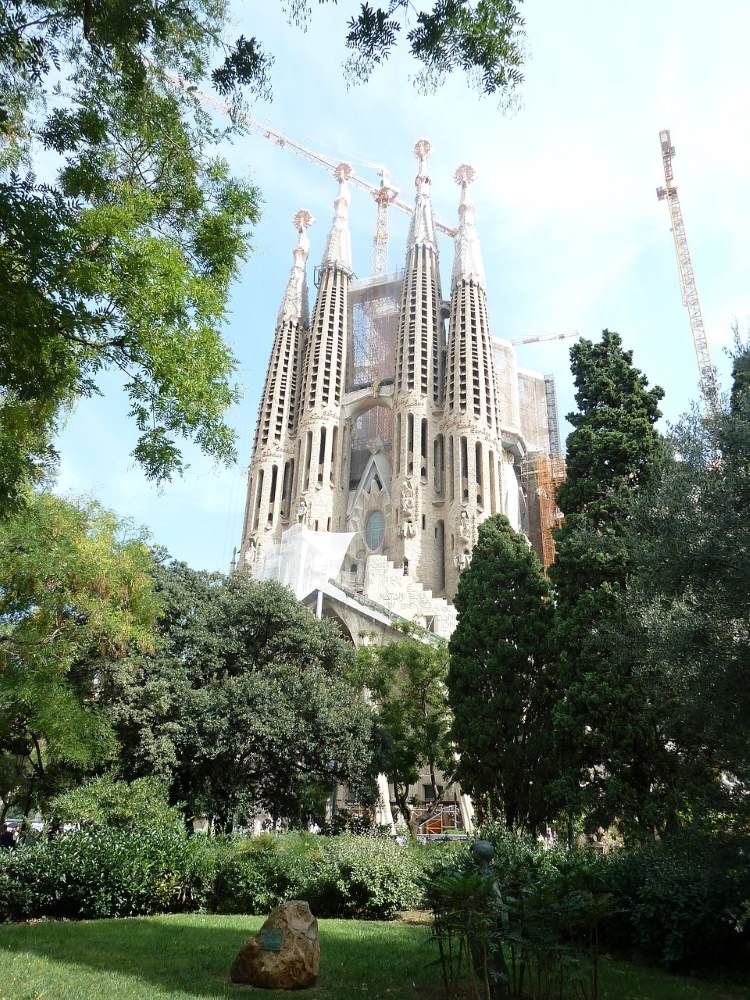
187,958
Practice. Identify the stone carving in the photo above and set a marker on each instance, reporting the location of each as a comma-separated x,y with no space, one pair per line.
303,510
407,527
284,954
251,553
462,561
464,527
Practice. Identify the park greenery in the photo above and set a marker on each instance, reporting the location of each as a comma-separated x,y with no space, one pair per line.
601,704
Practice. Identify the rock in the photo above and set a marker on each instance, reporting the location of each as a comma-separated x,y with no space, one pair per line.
284,954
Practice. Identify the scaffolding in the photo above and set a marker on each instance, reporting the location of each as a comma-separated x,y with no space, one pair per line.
373,322
541,476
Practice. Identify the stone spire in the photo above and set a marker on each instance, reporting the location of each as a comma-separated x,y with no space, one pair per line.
320,492
476,466
418,464
271,473
294,306
422,229
338,252
467,263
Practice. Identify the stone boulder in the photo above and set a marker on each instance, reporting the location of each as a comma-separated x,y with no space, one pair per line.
284,954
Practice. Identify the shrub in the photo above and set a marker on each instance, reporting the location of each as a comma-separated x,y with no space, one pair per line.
108,802
106,873
346,876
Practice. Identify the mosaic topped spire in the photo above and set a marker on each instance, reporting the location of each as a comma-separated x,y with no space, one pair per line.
294,304
338,252
467,262
422,229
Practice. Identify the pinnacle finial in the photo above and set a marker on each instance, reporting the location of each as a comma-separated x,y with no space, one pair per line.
294,303
465,175
343,172
467,262
302,220
338,250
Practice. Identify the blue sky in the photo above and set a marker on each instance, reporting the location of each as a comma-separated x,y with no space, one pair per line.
572,233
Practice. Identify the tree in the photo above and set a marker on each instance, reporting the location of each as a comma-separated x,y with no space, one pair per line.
244,704
107,802
609,748
76,593
124,259
687,609
499,681
406,680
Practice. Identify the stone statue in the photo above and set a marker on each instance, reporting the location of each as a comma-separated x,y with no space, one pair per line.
251,553
463,526
462,561
407,528
303,510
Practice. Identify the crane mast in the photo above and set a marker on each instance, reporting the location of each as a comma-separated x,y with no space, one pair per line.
707,374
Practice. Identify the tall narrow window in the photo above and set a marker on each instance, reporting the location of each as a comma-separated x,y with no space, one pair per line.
272,495
478,473
464,469
334,455
493,484
258,498
410,443
451,469
440,547
321,454
438,461
308,451
398,444
423,451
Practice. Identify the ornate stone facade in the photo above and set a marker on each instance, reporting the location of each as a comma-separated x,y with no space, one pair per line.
411,455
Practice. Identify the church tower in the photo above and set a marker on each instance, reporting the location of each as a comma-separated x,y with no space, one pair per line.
418,464
475,457
272,466
320,492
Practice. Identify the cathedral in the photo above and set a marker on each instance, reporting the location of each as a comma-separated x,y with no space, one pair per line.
391,424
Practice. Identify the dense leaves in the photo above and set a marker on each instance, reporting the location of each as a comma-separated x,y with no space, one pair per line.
244,705
123,258
407,679
499,682
76,593
610,747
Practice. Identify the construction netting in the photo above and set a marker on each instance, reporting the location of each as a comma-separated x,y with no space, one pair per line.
303,560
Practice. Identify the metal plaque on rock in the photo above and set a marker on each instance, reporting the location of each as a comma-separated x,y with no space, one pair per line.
271,939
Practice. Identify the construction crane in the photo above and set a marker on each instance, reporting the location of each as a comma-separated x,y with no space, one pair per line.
384,194
707,374
545,337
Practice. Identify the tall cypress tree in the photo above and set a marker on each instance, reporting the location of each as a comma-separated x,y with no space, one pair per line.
498,678
607,743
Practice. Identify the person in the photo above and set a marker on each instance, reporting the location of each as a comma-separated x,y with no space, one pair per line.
7,840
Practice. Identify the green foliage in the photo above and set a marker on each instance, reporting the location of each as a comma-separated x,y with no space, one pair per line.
106,873
483,39
407,681
109,803
124,260
368,877
116,872
687,607
244,705
76,593
499,681
611,751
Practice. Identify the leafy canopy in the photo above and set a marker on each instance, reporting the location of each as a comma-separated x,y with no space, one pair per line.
499,681
610,748
122,257
406,680
76,593
244,704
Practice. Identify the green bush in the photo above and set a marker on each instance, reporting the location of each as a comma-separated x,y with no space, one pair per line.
106,802
106,873
344,876
682,902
